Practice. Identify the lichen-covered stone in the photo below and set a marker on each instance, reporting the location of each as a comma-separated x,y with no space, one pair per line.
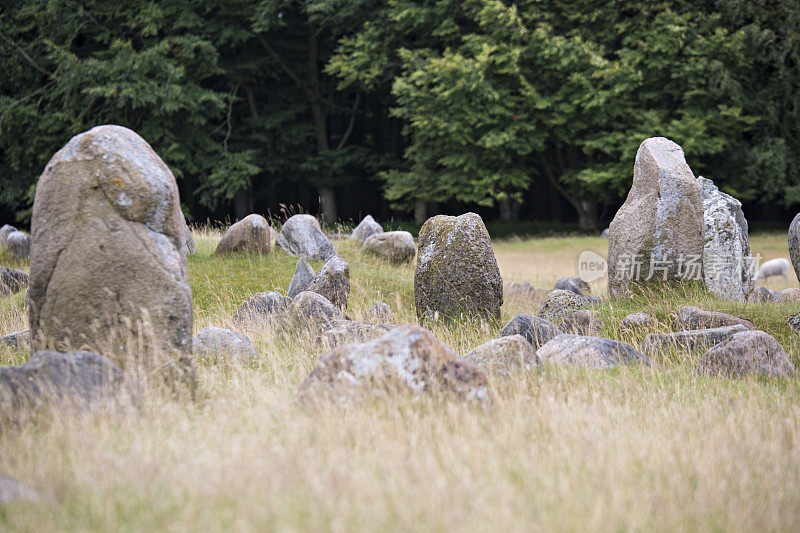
407,360
762,295
794,322
590,352
249,235
573,284
18,340
365,228
219,344
18,244
73,379
583,322
727,262
349,331
504,355
301,279
690,317
333,281
537,331
302,236
661,221
12,280
745,353
396,246
794,244
638,321
262,306
792,294
457,273
311,310
380,313
688,340
559,304
107,255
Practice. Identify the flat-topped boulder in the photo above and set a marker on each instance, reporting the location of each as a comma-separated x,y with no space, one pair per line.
590,352
504,355
690,317
688,340
302,236
108,269
659,232
457,273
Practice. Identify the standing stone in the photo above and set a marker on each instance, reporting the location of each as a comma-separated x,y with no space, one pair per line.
537,331
108,271
396,246
794,244
12,281
249,235
456,270
747,352
407,359
18,244
4,231
333,281
365,228
301,279
727,263
302,236
559,304
661,222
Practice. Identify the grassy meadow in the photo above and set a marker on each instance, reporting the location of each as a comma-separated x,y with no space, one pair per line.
558,448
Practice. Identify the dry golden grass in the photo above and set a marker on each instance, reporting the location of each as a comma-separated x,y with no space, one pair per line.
558,449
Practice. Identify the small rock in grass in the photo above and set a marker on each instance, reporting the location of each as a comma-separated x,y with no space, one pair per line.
638,321
365,228
215,343
590,352
504,355
688,340
536,330
560,304
262,306
583,322
745,353
690,317
762,294
380,313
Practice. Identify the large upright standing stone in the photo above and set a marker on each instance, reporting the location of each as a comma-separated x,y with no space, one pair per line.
456,271
658,233
794,244
727,263
108,264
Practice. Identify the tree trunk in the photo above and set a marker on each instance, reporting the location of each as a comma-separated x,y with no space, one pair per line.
420,212
587,215
243,203
327,204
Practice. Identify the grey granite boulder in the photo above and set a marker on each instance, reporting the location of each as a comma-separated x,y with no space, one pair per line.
573,284
762,295
690,317
457,273
537,331
301,279
365,228
792,294
559,304
302,236
746,353
12,281
18,244
504,355
19,340
590,352
661,223
727,262
688,340
583,322
72,379
407,360
220,344
311,310
4,231
638,321
249,235
380,313
262,306
349,331
333,281
395,246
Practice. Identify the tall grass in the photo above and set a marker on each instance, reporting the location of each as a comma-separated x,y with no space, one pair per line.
566,449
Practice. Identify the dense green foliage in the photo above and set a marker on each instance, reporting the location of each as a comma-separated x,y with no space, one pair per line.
481,102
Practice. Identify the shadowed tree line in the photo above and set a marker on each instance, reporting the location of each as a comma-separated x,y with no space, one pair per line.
531,109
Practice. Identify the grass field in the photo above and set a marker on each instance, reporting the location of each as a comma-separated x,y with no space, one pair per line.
564,449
